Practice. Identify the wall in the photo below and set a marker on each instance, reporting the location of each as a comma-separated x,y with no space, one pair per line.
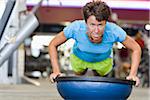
62,14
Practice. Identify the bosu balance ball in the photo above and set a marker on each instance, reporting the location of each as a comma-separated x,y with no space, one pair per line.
93,88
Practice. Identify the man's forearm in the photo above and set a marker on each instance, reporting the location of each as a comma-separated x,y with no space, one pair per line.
136,55
54,59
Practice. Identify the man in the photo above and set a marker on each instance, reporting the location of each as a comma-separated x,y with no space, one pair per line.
94,37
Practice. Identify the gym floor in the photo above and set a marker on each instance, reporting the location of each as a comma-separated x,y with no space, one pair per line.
48,91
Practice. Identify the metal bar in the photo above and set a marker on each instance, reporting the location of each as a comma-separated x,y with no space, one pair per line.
6,15
30,25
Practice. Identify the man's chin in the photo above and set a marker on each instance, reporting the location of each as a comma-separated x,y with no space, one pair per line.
96,40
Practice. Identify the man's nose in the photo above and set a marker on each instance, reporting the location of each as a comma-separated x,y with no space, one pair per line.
96,30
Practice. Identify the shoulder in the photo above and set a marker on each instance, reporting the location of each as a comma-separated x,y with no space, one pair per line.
112,26
115,32
78,24
74,28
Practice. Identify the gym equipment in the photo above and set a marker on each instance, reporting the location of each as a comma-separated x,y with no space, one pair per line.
5,17
93,88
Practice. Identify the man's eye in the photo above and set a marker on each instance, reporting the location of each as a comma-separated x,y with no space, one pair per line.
99,24
92,24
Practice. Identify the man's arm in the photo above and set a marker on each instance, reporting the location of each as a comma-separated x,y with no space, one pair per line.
58,40
135,58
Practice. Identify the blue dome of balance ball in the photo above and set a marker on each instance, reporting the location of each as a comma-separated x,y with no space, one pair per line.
93,88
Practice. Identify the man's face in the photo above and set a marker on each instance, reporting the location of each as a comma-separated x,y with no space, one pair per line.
95,29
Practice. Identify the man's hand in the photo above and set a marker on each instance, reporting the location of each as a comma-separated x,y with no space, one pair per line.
134,78
53,76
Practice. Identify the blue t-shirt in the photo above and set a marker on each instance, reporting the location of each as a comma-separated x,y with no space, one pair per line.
88,51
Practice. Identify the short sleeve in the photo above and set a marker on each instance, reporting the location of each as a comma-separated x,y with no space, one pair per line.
70,30
120,34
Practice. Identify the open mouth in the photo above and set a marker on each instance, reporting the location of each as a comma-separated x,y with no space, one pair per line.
95,37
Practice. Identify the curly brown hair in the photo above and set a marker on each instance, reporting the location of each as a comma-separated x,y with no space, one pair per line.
99,9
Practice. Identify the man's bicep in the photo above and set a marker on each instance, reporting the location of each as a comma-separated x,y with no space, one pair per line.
130,43
59,39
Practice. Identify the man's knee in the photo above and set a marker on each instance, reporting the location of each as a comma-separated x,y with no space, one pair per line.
98,74
95,73
81,73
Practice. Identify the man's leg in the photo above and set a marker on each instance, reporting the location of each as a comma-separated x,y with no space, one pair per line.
97,74
81,73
